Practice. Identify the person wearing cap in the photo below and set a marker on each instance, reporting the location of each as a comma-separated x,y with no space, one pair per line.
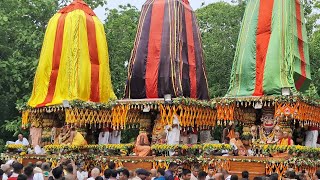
173,133
142,145
141,174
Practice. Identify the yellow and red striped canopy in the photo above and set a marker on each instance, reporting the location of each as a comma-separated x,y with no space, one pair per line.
74,61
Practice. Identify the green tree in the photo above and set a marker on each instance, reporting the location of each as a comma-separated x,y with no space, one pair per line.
219,24
312,15
121,25
314,50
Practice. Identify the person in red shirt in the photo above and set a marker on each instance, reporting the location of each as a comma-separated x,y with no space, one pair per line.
17,168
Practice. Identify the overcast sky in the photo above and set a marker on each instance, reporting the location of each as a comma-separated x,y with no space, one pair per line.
138,3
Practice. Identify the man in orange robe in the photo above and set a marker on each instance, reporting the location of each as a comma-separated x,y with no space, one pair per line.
237,142
142,145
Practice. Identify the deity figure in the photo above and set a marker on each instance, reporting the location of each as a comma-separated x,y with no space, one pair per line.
267,130
246,139
158,130
254,133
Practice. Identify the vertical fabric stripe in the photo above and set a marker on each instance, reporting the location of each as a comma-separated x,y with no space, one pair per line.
302,78
136,82
243,76
154,49
94,59
274,70
184,56
55,61
202,83
68,74
191,54
262,42
164,80
106,90
42,76
82,63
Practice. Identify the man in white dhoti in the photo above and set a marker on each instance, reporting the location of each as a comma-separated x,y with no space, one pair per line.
312,137
115,137
173,133
104,136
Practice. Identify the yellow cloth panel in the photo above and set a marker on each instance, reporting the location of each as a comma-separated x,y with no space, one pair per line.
78,140
42,77
67,87
106,90
84,65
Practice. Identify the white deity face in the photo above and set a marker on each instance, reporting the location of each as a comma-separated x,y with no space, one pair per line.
268,122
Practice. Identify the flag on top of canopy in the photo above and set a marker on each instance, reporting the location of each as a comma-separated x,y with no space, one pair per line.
272,50
74,62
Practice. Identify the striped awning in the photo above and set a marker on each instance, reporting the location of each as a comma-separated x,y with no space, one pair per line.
272,50
167,57
74,62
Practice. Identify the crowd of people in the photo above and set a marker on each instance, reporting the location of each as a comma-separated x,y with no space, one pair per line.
69,170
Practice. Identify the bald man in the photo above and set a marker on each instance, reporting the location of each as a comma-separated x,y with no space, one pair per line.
95,172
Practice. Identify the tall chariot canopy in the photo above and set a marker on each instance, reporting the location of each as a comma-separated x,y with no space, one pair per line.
167,57
272,51
74,61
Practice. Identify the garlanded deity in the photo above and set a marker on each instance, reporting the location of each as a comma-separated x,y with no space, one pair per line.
158,130
267,130
254,133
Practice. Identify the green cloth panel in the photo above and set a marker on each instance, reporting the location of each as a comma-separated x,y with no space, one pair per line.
243,75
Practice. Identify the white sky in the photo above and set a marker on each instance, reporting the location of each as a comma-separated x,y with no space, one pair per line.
100,11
